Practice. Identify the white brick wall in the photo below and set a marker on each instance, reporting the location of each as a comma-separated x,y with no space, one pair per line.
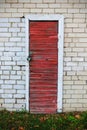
12,50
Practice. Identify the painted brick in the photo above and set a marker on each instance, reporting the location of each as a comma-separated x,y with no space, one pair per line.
8,105
5,34
6,86
70,25
22,44
79,16
77,87
9,100
67,68
67,78
83,10
10,63
13,49
80,82
0,72
83,63
73,54
73,10
21,24
15,39
11,10
21,82
83,54
9,54
17,58
61,1
73,1
24,10
21,72
77,59
67,5
19,87
7,96
60,10
36,10
50,5
74,78
72,101
4,76
82,73
69,109
19,106
29,5
68,82
79,5
75,105
49,1
14,34
10,81
71,63
78,30
15,25
79,68
6,15
2,1
78,50
3,30
5,58
14,29
6,72
16,67
82,100
2,10
21,101
71,73
83,1
6,67
19,96
67,59
21,34
11,1
82,25
15,20
1,91
12,44
82,77
5,5
4,24
13,72
4,20
79,20
83,40
67,96
15,77
21,63
17,15
1,101
18,5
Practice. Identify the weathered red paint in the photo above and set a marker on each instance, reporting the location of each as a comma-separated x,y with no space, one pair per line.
43,66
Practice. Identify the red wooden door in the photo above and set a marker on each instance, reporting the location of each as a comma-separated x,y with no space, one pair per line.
43,66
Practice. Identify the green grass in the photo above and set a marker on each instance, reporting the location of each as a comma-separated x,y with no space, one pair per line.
26,121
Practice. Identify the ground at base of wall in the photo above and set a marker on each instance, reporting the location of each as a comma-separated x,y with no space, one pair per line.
25,121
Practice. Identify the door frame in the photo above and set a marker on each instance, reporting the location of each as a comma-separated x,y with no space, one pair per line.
47,17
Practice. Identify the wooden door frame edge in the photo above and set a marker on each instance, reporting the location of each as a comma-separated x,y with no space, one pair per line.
49,17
